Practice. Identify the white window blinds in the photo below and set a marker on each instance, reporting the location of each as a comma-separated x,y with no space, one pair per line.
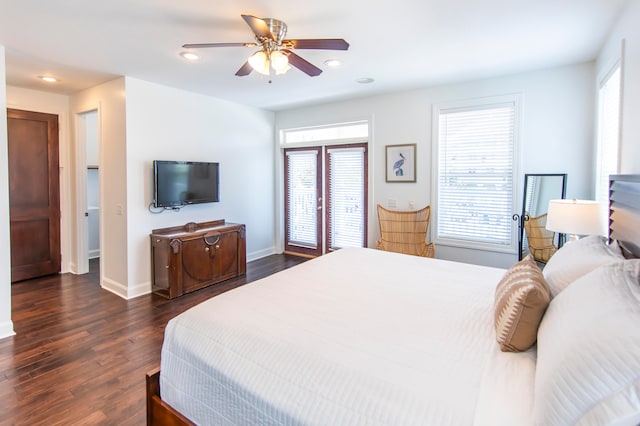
302,206
346,202
608,134
475,196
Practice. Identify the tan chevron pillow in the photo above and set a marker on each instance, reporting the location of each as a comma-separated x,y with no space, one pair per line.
522,296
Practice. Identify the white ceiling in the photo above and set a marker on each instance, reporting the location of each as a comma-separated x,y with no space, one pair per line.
401,44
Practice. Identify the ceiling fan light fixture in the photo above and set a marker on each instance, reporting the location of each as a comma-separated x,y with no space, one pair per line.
283,70
279,62
276,51
259,62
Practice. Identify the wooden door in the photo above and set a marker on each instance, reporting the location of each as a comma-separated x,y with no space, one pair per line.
34,194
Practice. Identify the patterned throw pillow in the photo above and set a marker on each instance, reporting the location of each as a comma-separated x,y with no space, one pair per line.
522,296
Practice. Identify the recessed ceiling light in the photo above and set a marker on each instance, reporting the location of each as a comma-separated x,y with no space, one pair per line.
190,56
333,62
365,80
48,78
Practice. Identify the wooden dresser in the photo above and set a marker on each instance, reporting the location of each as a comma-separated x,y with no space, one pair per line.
190,257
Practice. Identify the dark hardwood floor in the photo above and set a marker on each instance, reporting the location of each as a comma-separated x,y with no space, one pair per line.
80,353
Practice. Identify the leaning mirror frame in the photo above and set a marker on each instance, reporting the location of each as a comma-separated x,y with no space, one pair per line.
558,191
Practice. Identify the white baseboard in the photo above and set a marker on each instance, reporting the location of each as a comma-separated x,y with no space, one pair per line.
94,253
260,254
126,292
114,287
145,288
139,290
6,329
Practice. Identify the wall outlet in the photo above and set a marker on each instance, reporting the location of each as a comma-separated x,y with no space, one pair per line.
412,204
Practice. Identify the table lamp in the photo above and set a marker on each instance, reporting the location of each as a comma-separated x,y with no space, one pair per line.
576,217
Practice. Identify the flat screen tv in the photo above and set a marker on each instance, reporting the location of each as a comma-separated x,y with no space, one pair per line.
178,183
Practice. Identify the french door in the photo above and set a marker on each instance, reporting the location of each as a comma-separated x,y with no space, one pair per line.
325,198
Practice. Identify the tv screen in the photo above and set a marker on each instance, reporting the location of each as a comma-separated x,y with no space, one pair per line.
178,183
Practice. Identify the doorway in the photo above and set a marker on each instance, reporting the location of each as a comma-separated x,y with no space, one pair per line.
325,198
34,194
87,132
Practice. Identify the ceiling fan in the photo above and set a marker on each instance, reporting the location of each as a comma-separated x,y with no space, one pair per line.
276,52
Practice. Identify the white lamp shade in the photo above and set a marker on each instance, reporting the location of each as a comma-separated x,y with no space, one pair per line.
279,62
577,217
260,62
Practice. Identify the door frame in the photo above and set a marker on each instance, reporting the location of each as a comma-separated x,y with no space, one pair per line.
322,195
54,190
300,250
81,254
54,106
325,192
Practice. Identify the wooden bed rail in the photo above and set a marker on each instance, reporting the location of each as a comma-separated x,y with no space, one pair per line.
160,413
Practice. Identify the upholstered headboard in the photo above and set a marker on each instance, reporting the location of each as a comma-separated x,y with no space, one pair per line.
624,212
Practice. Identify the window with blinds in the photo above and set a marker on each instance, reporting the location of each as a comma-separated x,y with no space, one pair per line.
608,134
302,191
334,132
346,196
475,196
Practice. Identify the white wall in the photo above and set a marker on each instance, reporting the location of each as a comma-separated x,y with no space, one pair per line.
109,99
170,124
557,135
50,103
6,325
628,29
137,124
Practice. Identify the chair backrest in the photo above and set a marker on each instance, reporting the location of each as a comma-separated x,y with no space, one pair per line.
540,239
404,231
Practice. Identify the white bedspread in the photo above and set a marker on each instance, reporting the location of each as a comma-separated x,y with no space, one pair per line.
356,337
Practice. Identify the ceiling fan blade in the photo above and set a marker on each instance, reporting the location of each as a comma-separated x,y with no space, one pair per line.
198,45
258,26
302,64
244,70
317,43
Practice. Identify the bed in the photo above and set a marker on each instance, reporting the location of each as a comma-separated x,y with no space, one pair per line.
361,337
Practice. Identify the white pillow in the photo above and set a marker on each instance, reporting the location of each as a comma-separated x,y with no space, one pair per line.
588,367
577,258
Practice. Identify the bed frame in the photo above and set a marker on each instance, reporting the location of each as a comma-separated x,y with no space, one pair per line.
624,213
624,226
158,411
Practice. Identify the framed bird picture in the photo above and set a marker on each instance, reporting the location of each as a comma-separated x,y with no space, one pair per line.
401,163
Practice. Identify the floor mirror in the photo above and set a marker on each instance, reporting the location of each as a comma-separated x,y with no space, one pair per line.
532,235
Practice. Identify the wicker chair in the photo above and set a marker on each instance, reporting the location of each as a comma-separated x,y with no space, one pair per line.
540,240
405,231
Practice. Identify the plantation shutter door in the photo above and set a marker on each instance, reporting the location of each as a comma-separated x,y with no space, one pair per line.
302,203
346,196
475,174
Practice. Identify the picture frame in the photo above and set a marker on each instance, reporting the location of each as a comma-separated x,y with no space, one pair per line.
400,161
